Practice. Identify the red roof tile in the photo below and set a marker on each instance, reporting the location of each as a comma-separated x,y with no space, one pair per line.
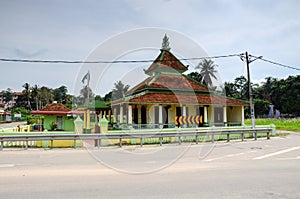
18,93
166,61
170,82
55,107
51,109
204,99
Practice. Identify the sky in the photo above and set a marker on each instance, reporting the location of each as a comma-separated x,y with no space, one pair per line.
81,30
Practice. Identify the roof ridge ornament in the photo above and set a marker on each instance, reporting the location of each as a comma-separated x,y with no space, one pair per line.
165,43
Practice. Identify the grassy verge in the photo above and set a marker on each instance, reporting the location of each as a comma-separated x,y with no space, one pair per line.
281,124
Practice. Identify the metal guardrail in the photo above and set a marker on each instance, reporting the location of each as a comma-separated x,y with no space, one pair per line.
140,135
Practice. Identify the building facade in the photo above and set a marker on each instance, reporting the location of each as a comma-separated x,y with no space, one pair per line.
56,114
168,98
12,102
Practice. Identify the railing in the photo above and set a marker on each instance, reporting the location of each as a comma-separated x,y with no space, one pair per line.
196,133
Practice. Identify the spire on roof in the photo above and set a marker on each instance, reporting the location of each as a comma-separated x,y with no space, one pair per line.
165,43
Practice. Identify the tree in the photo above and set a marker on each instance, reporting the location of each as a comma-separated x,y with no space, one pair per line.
195,76
85,97
27,93
60,94
165,43
46,95
119,90
7,95
207,71
261,107
238,89
20,110
108,96
36,94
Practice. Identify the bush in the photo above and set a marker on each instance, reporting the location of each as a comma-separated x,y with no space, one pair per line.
53,126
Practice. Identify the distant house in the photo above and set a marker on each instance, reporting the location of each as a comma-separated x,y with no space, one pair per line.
56,114
168,98
13,101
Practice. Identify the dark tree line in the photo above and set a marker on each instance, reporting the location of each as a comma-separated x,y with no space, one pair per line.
35,97
284,94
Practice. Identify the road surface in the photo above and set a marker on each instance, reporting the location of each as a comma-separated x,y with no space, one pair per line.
249,169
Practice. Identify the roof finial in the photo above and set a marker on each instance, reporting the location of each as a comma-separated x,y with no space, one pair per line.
165,43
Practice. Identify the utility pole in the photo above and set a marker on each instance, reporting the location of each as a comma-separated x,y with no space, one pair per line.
248,61
250,92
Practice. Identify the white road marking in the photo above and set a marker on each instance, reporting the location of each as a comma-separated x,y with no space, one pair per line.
297,158
6,165
277,153
228,156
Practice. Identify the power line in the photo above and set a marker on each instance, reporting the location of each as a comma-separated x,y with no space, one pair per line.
276,63
138,61
103,61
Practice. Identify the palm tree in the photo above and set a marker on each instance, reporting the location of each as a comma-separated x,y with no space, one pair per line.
207,71
119,90
27,93
36,93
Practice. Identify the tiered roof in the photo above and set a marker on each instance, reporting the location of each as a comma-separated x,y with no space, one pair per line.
167,85
173,82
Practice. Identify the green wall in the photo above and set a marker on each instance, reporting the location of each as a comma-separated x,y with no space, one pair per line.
67,124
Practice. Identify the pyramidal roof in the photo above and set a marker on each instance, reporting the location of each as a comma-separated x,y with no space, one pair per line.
52,109
166,62
167,84
55,107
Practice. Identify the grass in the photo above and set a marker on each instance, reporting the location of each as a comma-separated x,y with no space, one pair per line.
281,124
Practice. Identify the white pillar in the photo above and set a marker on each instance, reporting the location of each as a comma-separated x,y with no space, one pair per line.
225,115
129,114
115,115
184,115
88,119
205,123
139,114
84,119
121,114
243,117
184,110
160,114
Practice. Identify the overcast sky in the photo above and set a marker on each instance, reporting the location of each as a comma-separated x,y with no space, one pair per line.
74,30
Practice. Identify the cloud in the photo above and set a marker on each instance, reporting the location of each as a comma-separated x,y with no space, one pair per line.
29,54
72,30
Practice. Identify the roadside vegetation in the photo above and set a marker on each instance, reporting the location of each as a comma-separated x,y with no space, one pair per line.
281,124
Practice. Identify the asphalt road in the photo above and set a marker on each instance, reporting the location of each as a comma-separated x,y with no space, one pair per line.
249,169
11,124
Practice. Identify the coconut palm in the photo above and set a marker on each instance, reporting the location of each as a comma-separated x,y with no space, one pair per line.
207,71
27,93
36,94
